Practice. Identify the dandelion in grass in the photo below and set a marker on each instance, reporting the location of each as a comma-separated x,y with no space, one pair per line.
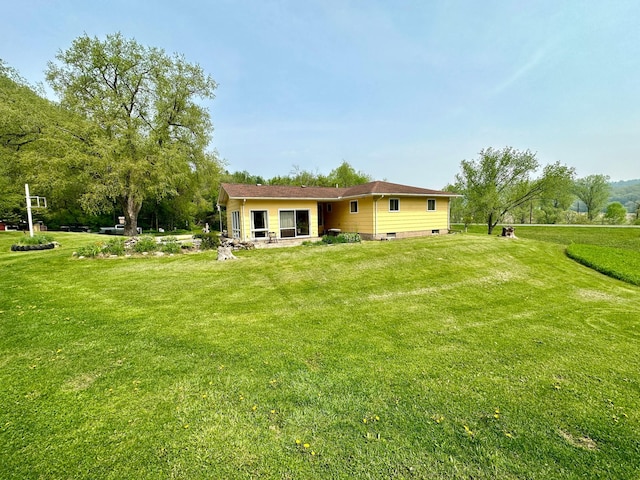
254,408
306,445
298,441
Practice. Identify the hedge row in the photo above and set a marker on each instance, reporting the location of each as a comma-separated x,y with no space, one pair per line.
620,263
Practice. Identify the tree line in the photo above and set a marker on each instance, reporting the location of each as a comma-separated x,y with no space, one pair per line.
502,186
128,137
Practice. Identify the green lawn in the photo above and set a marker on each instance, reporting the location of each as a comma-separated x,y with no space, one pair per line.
620,237
621,263
462,356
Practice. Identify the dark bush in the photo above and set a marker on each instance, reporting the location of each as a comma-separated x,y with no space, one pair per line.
341,238
208,241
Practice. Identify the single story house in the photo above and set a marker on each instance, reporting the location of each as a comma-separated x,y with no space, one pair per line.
375,210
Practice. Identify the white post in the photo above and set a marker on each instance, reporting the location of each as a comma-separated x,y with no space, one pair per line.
26,189
220,215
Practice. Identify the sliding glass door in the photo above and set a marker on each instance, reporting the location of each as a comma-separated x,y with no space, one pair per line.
294,223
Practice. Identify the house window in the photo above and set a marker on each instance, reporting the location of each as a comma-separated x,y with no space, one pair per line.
353,206
235,224
431,205
328,207
259,223
394,204
294,223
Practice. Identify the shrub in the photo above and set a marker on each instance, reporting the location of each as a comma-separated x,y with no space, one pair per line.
208,241
342,238
115,246
171,245
351,237
91,250
146,243
40,239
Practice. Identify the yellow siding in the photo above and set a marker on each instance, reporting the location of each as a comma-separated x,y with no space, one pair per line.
342,218
412,216
373,220
273,207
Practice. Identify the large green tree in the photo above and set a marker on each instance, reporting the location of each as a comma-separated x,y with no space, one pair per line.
18,130
500,181
558,196
36,147
593,191
150,134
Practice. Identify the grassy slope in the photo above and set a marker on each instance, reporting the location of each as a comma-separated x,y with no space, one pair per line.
466,355
619,237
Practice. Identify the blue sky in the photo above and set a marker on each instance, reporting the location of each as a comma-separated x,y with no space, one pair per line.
402,90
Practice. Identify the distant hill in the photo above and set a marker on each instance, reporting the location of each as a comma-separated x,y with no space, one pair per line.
625,183
627,192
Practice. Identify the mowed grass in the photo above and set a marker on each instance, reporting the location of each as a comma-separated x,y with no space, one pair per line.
613,251
618,237
463,356
620,263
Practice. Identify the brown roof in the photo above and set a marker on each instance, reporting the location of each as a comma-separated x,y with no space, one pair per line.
386,188
237,190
